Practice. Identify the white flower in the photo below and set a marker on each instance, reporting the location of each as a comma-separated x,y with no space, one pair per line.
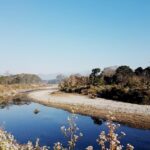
89,148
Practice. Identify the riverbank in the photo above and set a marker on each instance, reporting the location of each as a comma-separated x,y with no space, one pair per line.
15,91
131,114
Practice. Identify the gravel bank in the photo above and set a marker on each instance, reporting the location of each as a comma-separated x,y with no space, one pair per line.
131,114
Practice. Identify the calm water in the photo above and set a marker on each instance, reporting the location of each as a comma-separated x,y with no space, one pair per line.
25,125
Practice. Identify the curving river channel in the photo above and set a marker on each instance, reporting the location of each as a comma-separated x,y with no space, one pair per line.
24,124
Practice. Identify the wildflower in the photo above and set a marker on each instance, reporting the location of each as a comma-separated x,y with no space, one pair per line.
8,142
89,148
37,143
81,134
112,138
71,132
62,128
123,133
58,146
129,147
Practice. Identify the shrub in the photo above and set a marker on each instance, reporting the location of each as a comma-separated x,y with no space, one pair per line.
123,84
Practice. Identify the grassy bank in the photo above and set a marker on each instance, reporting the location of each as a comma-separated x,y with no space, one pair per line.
10,91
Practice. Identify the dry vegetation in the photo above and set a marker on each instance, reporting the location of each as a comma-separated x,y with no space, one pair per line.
123,84
11,85
8,92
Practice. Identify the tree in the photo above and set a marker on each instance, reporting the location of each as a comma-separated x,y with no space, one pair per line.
124,70
95,77
96,71
147,72
139,71
123,73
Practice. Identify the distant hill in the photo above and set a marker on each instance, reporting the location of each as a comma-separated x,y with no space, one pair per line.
48,76
53,76
59,78
20,79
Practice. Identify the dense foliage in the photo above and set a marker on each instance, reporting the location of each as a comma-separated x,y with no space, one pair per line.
121,84
20,79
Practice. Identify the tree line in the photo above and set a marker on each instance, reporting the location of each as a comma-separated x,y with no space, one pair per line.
121,84
20,79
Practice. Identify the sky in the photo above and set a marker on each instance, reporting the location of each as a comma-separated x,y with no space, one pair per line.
51,36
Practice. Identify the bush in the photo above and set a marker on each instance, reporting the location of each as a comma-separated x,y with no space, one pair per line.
123,84
136,96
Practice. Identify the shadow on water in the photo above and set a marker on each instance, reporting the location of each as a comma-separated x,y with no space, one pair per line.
16,101
98,121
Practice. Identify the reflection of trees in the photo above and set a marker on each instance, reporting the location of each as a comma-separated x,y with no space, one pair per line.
97,120
13,102
2,106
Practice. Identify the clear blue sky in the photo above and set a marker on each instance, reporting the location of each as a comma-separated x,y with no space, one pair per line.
49,36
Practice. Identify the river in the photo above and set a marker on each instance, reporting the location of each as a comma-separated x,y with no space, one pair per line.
24,124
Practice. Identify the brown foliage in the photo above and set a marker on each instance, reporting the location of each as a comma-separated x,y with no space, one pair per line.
123,85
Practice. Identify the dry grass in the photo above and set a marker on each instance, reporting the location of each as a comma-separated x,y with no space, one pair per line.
7,92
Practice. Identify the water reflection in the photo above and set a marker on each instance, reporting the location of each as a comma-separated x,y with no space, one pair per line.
20,120
97,121
16,101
